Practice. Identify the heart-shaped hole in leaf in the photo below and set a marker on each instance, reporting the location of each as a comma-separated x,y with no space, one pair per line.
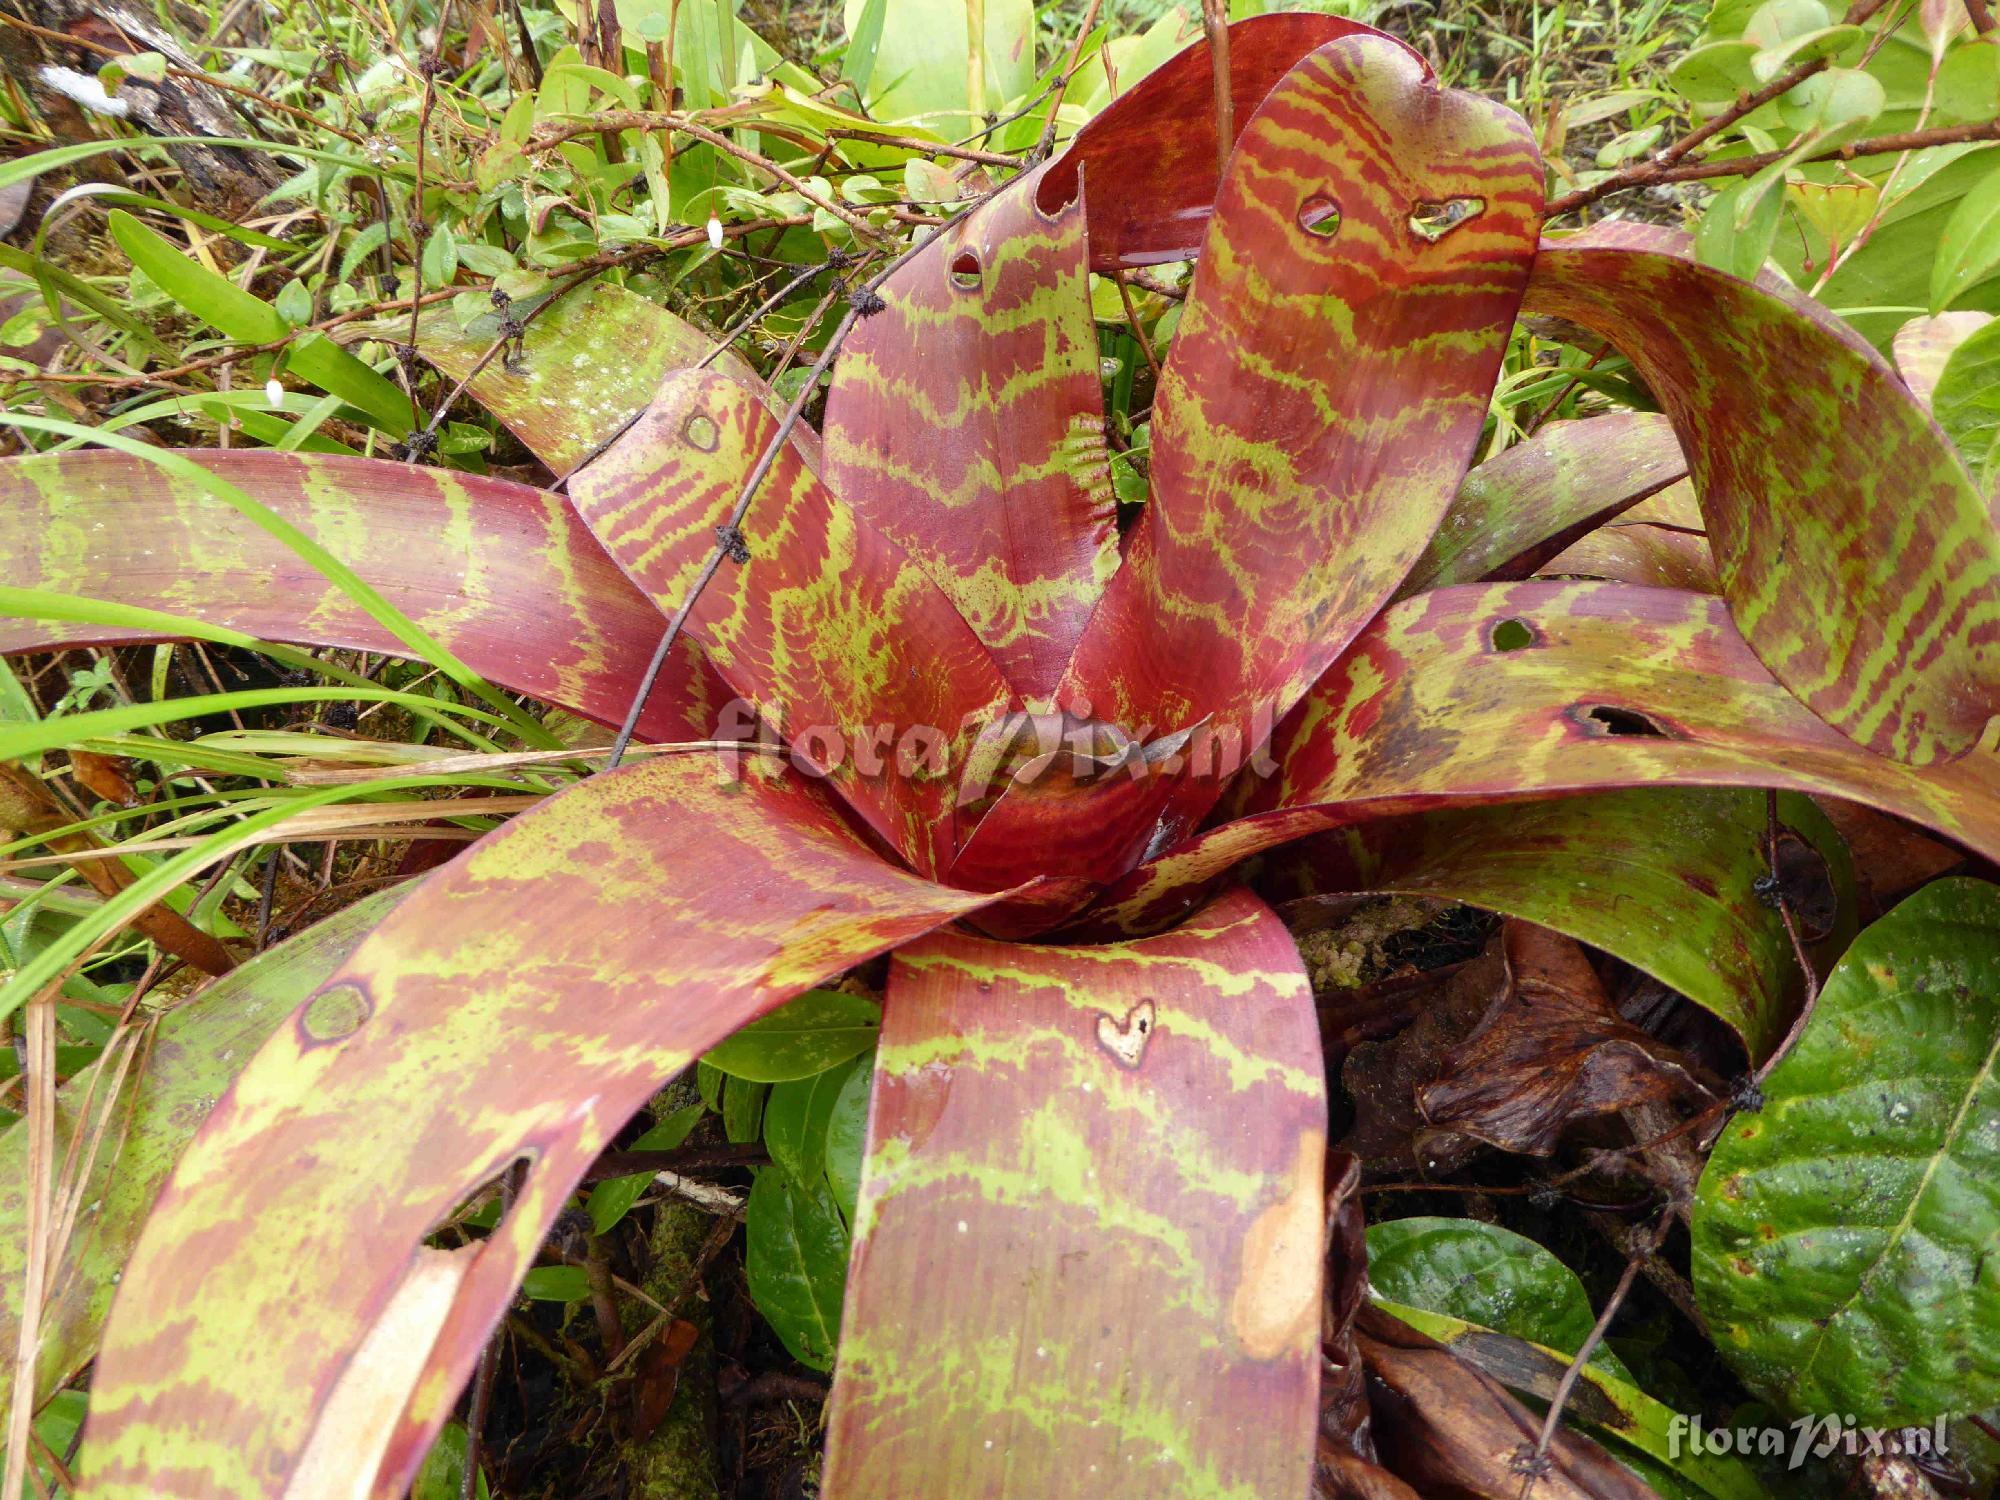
1433,221
701,431
1513,635
965,271
1319,216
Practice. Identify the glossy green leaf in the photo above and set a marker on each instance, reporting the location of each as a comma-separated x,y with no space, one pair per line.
1969,248
1487,1275
924,70
795,1260
1966,403
847,1139
1737,228
613,1198
1716,72
1844,1235
443,1474
743,1109
796,1116
809,1035
556,1284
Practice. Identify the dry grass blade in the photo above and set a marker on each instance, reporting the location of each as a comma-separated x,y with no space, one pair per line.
368,820
447,763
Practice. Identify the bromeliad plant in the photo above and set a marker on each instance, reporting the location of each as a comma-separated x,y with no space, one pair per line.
1025,754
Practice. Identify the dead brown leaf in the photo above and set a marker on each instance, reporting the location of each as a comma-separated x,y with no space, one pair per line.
1451,1432
1549,1052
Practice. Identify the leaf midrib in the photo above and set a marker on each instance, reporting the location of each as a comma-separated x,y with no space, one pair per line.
1978,1081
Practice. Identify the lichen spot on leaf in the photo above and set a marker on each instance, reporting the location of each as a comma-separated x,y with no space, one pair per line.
333,1014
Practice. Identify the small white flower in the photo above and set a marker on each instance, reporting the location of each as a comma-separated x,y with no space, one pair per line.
274,394
714,232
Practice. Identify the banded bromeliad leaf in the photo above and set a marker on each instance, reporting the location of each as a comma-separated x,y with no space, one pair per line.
1027,750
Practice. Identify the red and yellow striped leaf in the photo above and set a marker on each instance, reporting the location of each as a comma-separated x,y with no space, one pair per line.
1149,160
282,1327
828,628
133,1113
502,574
1859,560
1659,542
1087,1255
1323,395
966,421
1522,507
1502,692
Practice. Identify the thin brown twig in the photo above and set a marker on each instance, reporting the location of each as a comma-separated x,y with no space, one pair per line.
653,119
1215,21
1048,140
1784,83
1535,1464
929,148
1651,174
240,351
1132,321
489,1360
420,231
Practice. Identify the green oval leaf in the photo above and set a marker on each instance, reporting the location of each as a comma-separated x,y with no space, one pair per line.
1485,1275
817,1031
795,1260
1966,403
795,1120
1969,248
1843,1236
557,1284
847,1138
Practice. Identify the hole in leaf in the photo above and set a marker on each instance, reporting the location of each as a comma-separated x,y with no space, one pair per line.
1622,723
487,1204
965,270
701,431
1513,635
1433,221
1319,215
